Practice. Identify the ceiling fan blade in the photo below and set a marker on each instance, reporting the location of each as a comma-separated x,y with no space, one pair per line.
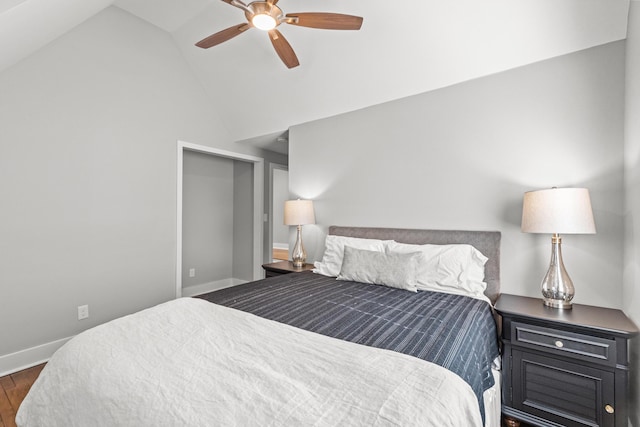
239,4
326,21
223,36
283,49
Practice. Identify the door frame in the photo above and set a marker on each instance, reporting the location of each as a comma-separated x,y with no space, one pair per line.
258,203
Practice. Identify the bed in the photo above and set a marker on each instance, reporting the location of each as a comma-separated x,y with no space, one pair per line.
298,349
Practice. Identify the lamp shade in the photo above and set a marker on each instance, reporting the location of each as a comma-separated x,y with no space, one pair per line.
558,210
299,212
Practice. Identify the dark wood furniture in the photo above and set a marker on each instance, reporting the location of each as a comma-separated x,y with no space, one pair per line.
283,267
564,367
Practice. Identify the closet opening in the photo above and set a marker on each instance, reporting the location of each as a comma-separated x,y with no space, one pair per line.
219,219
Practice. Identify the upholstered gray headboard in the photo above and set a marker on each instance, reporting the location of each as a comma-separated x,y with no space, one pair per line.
487,242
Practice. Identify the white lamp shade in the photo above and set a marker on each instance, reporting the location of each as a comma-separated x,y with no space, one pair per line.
558,210
299,212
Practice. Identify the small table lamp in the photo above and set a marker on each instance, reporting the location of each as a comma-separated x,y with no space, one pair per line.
555,211
298,213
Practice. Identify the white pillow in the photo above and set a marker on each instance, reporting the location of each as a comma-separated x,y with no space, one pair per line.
392,269
456,269
334,251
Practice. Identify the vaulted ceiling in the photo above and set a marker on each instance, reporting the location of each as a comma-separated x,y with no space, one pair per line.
403,48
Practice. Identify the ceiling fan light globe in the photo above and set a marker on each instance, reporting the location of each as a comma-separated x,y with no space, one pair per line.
263,22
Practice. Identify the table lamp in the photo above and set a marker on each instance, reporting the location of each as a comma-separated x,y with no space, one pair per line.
298,213
557,211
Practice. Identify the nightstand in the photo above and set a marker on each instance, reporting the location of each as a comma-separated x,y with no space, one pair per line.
283,267
564,367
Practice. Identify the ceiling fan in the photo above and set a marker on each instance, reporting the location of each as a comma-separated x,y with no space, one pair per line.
266,16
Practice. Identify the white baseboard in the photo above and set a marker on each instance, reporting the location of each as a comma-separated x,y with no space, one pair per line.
33,356
191,291
23,359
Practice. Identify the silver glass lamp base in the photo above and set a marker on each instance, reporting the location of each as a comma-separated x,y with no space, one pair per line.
557,287
299,256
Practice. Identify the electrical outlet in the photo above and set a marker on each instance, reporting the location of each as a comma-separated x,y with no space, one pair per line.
192,272
83,312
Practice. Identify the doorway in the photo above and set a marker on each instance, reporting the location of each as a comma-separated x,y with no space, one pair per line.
278,194
245,200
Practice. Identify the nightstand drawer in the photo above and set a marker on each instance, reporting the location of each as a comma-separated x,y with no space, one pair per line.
270,273
557,341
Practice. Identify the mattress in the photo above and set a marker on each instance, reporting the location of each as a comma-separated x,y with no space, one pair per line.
192,363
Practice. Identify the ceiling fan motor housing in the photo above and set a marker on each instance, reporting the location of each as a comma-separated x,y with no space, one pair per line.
264,9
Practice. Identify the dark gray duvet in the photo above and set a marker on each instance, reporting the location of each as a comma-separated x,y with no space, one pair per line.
455,332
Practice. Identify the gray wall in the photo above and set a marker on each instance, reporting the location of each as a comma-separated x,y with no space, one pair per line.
462,157
280,195
207,218
632,187
88,131
242,220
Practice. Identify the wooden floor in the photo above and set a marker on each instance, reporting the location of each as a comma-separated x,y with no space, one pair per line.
280,254
13,389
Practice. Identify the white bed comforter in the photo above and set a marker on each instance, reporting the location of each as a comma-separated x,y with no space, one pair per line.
189,362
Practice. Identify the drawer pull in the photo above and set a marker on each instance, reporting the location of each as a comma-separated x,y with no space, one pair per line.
559,344
609,409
